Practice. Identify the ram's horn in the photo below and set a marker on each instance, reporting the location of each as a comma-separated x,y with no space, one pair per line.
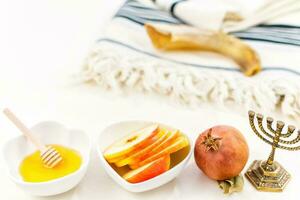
181,37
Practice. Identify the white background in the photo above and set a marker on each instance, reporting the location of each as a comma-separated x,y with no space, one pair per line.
43,43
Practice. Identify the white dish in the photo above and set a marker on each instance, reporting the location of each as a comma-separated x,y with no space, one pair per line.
17,148
119,130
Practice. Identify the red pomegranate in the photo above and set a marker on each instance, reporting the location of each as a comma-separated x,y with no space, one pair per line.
221,152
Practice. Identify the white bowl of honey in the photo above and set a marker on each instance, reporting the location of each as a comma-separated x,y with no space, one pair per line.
26,168
141,155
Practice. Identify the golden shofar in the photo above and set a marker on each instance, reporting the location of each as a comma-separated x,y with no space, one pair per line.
181,37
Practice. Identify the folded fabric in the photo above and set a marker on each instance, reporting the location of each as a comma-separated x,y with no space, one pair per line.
233,15
124,58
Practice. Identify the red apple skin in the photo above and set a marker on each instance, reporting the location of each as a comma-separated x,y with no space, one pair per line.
231,157
152,170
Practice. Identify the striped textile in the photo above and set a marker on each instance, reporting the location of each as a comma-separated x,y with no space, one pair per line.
276,33
124,58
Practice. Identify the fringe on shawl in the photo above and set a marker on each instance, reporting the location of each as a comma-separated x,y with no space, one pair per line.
117,71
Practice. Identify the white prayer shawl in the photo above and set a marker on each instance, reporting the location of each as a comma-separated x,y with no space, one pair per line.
211,14
123,57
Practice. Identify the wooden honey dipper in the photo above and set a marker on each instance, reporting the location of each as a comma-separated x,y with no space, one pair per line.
49,155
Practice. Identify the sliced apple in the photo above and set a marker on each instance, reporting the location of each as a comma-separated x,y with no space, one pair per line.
149,170
179,143
167,141
149,141
116,159
140,154
171,137
137,139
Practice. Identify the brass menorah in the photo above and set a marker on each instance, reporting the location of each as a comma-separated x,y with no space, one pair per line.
269,175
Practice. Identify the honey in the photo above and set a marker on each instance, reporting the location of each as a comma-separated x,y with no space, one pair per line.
33,170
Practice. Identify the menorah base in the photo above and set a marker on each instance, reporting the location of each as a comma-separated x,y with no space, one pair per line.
267,181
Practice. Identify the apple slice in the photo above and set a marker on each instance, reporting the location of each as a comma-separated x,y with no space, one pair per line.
116,159
149,170
139,154
129,143
120,159
171,136
150,141
179,143
148,152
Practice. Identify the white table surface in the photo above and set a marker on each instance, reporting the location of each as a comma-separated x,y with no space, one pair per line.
43,44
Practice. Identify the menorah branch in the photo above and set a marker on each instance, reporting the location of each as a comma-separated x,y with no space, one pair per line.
291,130
294,141
270,121
252,124
277,142
269,125
259,118
279,127
289,148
